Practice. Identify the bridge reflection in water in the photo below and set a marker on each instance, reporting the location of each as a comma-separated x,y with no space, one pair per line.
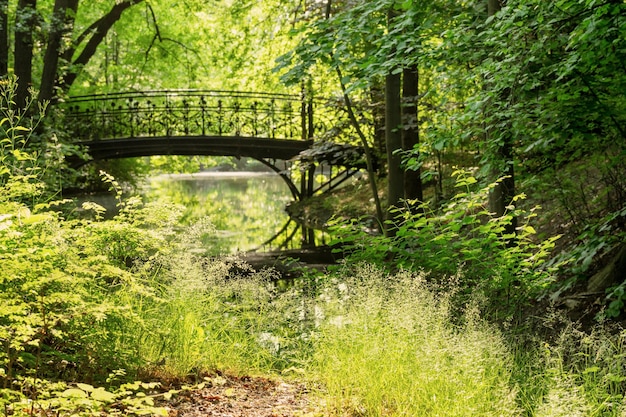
272,128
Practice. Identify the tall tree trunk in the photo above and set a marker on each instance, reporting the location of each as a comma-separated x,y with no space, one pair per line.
25,24
502,195
4,37
493,7
410,133
393,140
61,25
96,33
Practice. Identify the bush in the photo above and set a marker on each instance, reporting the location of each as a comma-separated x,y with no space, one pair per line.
464,235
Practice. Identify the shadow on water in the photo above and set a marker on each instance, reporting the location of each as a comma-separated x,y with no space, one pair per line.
292,251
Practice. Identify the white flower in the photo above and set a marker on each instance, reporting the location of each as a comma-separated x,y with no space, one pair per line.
318,313
339,321
270,342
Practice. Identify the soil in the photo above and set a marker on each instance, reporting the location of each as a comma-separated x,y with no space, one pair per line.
244,397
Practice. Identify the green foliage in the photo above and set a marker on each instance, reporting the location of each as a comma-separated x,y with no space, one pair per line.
58,285
597,240
462,234
81,298
576,373
19,169
190,44
60,282
544,76
130,399
209,318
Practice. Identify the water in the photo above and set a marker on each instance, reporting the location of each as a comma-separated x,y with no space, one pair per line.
246,208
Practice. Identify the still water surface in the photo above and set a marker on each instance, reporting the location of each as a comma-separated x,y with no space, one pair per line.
246,208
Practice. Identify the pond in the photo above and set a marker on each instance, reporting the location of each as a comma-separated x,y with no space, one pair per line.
247,209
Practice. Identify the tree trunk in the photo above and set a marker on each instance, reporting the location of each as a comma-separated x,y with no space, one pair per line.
393,139
613,273
4,38
410,134
61,25
493,6
25,24
97,33
502,195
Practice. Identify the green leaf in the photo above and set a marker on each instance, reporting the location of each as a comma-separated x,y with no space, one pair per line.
74,393
100,394
85,387
591,370
21,156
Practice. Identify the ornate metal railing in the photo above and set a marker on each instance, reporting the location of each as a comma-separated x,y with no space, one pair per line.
170,113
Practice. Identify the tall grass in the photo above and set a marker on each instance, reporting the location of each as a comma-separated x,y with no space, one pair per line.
388,346
376,344
575,373
206,319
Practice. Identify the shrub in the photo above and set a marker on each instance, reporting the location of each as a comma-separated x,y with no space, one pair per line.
463,234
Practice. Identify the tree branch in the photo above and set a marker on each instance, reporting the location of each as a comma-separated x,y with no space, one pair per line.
98,32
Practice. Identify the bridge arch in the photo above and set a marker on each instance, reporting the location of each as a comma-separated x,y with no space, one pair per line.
118,149
266,127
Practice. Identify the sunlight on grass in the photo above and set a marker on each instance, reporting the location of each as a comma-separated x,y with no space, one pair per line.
375,344
207,320
389,347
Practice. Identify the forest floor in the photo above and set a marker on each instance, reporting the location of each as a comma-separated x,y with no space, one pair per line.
245,397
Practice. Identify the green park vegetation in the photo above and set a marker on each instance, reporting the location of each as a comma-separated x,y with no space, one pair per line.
484,248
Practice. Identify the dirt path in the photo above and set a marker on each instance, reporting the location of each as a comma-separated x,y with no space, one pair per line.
244,397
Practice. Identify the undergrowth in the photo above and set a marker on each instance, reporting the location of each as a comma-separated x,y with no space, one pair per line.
89,306
463,234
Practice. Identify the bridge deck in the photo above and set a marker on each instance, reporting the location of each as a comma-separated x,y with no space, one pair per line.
258,148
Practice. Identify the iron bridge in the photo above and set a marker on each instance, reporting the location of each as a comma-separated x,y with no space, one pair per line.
272,128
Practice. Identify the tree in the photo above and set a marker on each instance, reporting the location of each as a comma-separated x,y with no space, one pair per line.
61,25
393,142
393,137
4,36
26,23
193,44
370,47
502,163
413,189
62,45
337,44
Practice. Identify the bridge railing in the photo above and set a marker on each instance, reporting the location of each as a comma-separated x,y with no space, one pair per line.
170,113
